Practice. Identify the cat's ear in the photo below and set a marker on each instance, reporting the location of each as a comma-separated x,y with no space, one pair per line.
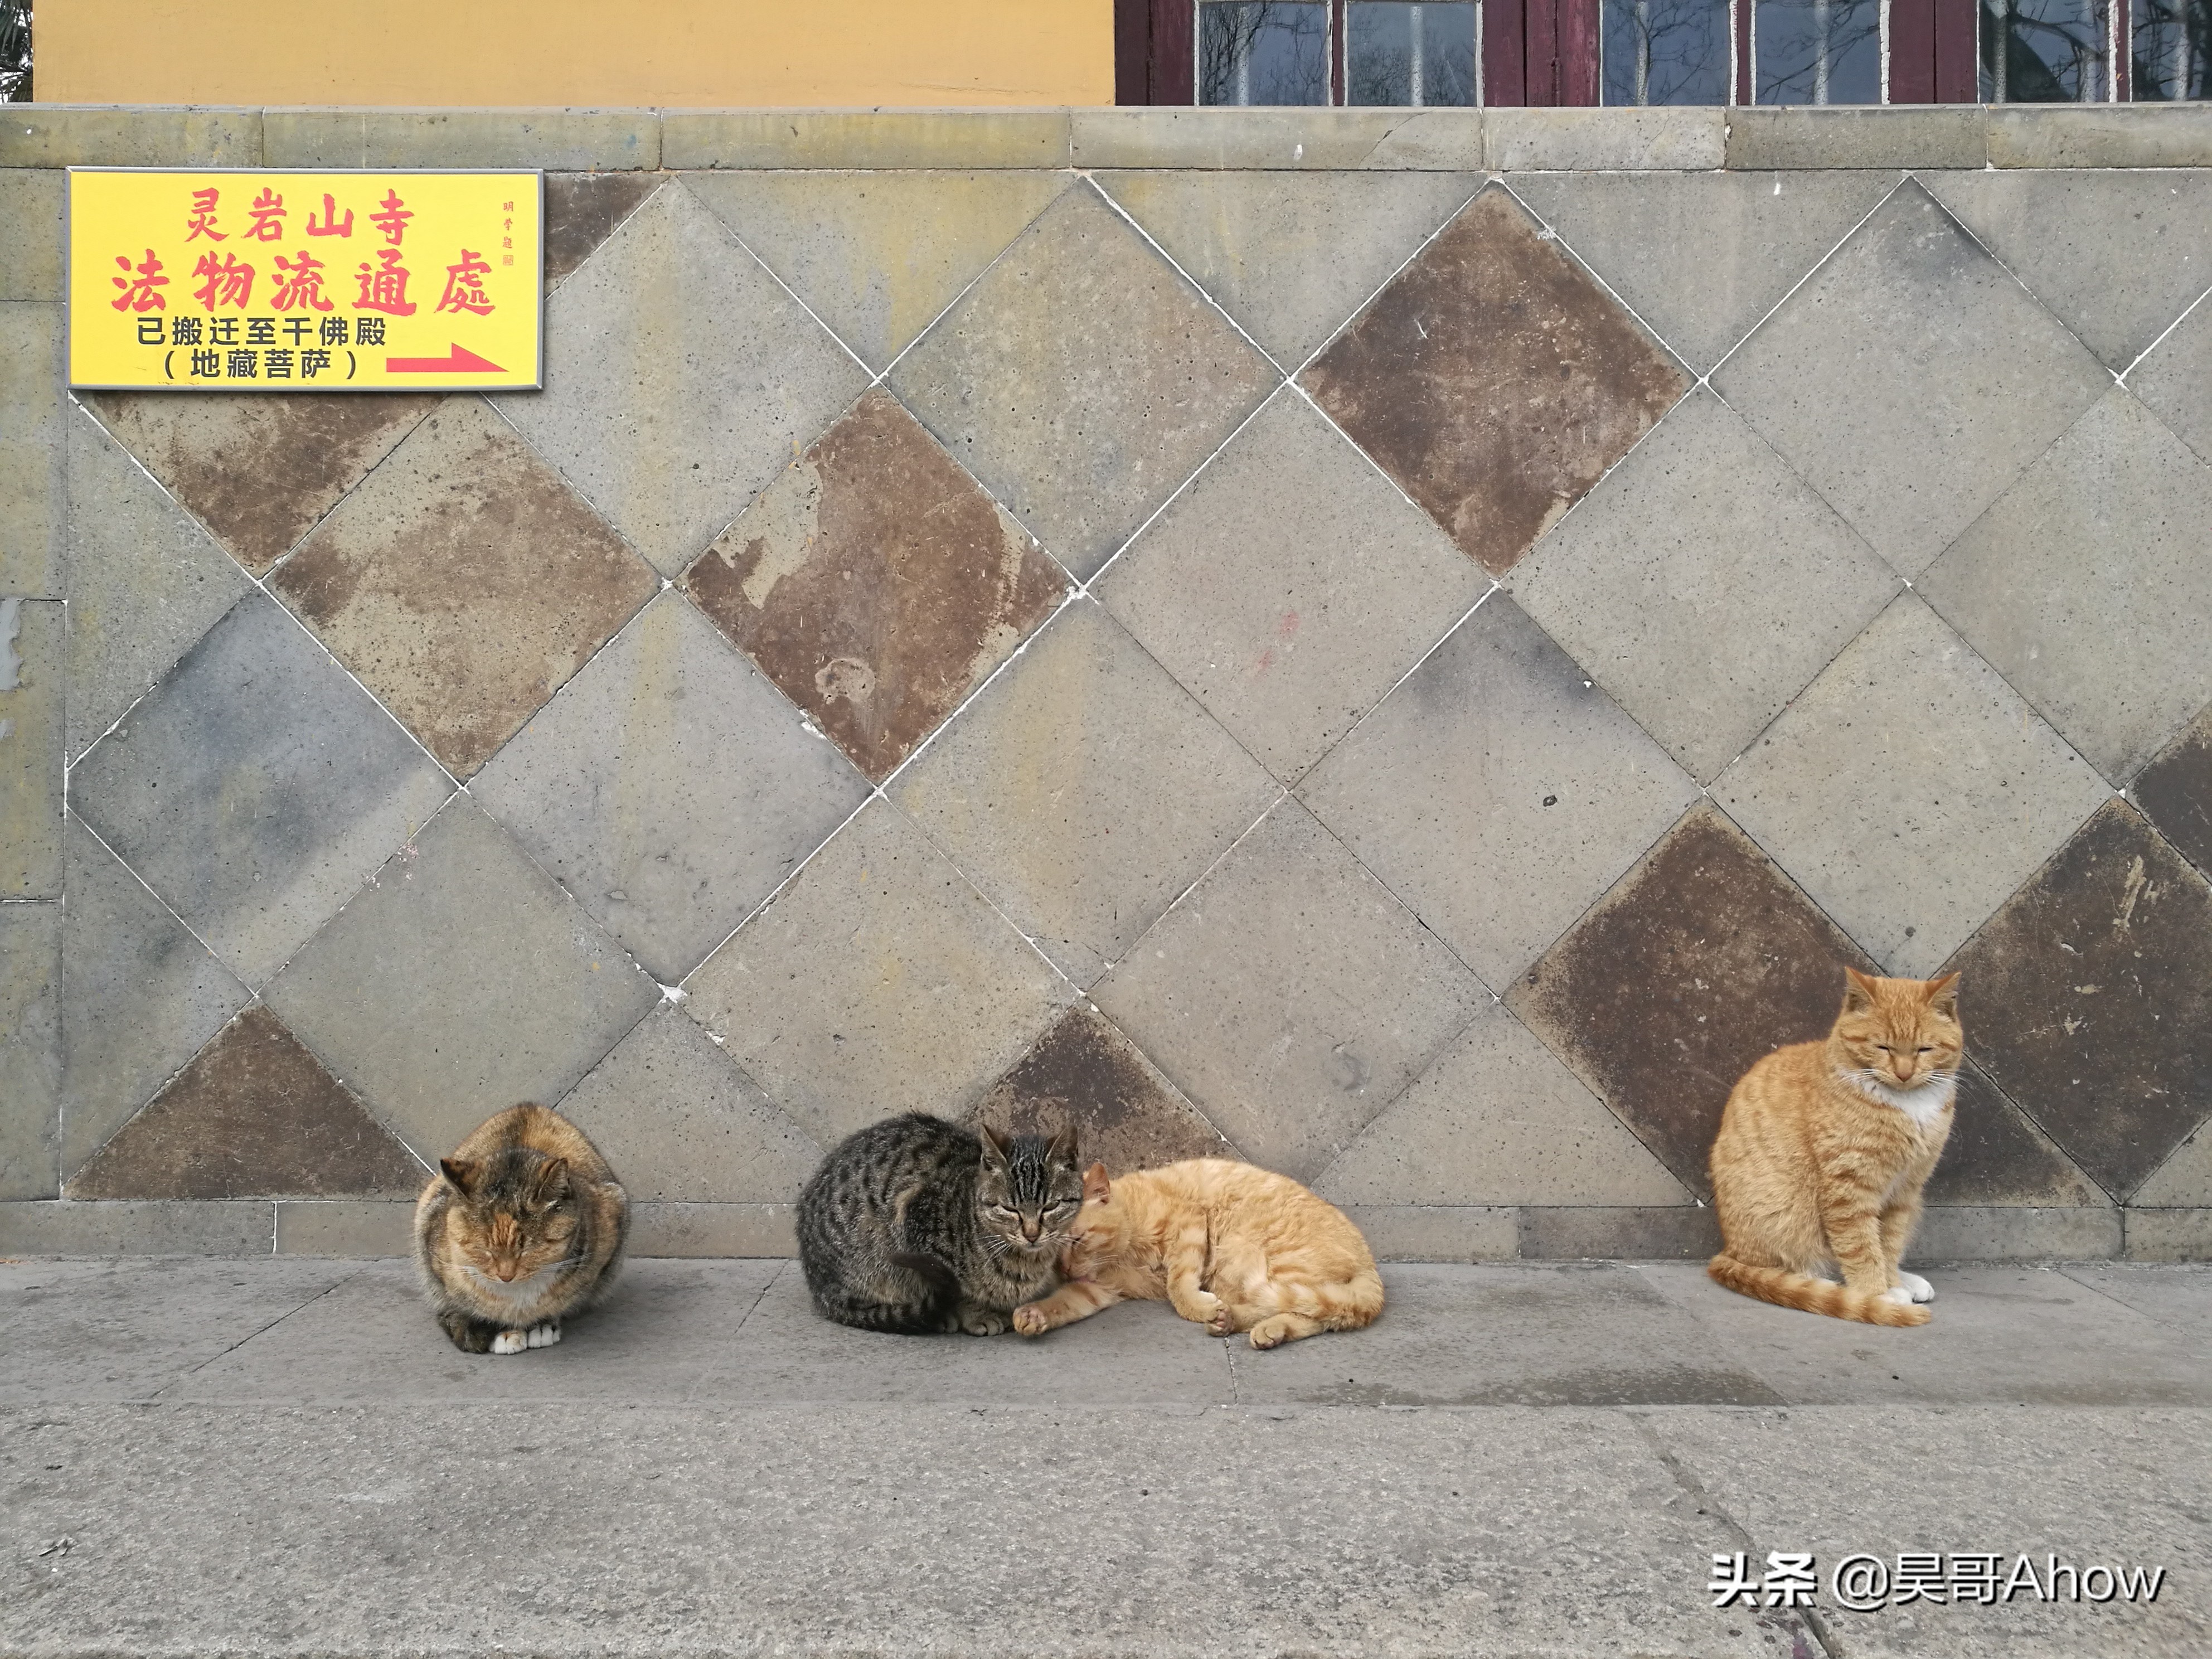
552,1182
1096,1185
1943,995
461,1174
1063,1150
1859,990
994,1146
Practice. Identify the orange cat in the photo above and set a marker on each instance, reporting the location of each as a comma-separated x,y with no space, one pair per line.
1232,1247
1824,1148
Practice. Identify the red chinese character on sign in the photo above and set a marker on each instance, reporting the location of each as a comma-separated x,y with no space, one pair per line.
331,225
268,211
228,282
385,290
139,283
392,221
465,286
299,283
203,220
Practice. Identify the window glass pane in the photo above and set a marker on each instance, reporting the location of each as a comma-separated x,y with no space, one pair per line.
2172,45
1262,51
1665,52
1817,52
2043,52
1408,54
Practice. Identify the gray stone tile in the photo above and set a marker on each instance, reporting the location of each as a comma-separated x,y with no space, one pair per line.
582,209
884,139
1910,380
1084,789
140,996
669,787
101,136
2087,1349
2174,1296
1429,1232
1289,995
2184,1179
2146,135
1338,139
2167,1235
145,582
2087,586
47,1227
1702,257
31,208
2017,1232
661,1328
679,409
2116,255
443,138
1137,1353
713,1230
1908,790
1593,1232
680,1123
1082,380
1701,535
878,981
346,1227
1562,140
34,644
30,1050
1290,256
1290,586
257,788
1497,791
1807,136
123,1330
1498,1121
461,981
877,256
1506,1336
2171,380
33,500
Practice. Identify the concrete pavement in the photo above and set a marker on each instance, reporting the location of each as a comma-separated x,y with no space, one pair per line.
284,1457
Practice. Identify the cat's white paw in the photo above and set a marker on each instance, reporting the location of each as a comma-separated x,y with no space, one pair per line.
1915,1286
546,1335
510,1342
1897,1294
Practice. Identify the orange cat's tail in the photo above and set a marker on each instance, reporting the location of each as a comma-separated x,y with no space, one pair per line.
1788,1290
1346,1304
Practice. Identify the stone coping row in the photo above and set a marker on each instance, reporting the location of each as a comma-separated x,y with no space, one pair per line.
1497,140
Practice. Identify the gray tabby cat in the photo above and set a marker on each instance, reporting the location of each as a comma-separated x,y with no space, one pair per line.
914,1224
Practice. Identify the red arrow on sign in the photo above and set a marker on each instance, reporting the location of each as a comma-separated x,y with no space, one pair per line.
462,362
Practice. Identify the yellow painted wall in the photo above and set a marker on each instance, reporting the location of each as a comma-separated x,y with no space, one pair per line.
696,53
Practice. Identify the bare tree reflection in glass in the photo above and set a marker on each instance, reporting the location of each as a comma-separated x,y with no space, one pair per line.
1411,55
1665,52
2173,48
1262,51
2043,51
1817,52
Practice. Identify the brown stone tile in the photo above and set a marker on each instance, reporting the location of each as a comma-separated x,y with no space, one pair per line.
464,583
2175,792
1996,1156
1700,961
581,212
259,470
2087,996
1495,380
876,583
1084,1072
253,1116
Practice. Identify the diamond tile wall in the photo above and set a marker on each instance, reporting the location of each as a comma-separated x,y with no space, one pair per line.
1413,678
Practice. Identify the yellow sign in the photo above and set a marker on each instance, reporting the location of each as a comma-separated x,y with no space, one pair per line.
304,282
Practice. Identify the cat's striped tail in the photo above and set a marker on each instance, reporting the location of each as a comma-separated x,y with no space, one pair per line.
1788,1290
1349,1304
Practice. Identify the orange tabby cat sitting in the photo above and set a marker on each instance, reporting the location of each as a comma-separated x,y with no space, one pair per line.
1824,1148
1231,1247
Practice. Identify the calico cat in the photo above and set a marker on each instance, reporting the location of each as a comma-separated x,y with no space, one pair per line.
1824,1148
1232,1247
521,1227
914,1225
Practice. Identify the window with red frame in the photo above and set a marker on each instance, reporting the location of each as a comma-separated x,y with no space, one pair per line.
1660,51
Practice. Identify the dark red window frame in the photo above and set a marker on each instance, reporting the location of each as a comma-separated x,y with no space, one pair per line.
1546,52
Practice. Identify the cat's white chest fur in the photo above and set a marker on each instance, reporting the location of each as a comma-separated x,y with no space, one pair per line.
1923,1102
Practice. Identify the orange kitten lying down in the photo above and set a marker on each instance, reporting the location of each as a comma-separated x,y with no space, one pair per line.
1232,1247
